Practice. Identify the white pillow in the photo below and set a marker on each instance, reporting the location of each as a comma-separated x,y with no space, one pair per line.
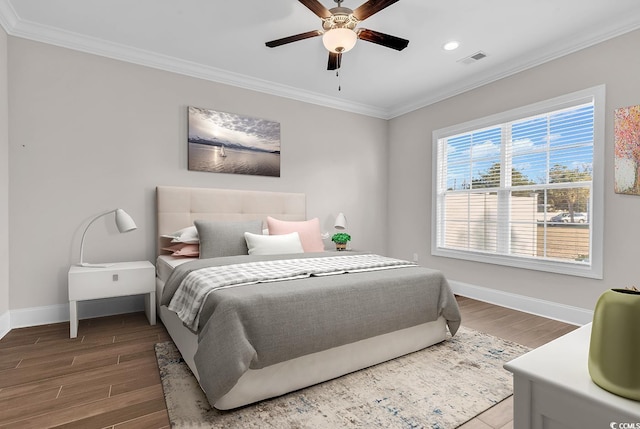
188,235
273,244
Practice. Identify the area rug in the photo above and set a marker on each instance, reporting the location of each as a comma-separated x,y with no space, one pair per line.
440,387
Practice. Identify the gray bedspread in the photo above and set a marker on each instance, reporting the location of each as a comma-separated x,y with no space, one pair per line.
257,325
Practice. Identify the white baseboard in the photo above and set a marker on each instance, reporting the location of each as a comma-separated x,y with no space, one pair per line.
5,323
86,309
551,310
128,304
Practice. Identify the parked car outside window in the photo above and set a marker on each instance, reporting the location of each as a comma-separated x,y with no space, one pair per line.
565,217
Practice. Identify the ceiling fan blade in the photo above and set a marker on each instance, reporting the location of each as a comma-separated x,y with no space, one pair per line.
335,60
387,40
316,7
367,9
285,40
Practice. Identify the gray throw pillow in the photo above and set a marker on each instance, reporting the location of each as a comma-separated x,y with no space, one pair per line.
225,238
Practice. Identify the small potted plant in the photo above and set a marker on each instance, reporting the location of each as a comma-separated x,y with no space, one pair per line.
341,239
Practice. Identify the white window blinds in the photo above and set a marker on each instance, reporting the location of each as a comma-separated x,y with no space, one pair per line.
519,192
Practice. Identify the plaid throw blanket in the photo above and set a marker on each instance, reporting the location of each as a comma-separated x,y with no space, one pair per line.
190,296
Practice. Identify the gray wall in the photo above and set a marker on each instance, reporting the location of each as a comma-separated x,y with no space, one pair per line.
90,134
614,63
4,180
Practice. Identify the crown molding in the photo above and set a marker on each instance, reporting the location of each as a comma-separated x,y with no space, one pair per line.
8,16
14,26
529,61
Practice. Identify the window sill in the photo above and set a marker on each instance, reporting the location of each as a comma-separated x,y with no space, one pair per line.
578,269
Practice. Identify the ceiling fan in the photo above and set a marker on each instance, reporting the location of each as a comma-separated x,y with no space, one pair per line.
339,33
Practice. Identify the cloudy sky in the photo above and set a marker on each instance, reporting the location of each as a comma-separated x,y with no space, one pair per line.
229,127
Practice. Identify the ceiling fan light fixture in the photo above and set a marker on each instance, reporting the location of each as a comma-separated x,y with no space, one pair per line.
339,40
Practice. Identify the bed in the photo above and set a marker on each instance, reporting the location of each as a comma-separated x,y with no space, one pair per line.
264,339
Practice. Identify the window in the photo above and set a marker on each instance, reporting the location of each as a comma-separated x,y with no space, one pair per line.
524,188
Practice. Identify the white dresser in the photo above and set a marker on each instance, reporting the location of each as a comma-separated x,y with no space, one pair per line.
553,389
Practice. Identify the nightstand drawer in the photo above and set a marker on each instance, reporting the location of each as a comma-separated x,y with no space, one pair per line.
121,279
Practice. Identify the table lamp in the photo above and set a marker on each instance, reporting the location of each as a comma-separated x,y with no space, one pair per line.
124,222
341,222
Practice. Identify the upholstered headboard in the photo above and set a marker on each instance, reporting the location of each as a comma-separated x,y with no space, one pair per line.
178,207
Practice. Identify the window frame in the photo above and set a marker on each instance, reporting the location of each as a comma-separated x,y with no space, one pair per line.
594,269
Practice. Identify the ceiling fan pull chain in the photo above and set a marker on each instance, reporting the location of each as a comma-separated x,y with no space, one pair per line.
338,76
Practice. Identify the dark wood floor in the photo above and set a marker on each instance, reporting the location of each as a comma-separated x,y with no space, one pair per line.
522,328
108,376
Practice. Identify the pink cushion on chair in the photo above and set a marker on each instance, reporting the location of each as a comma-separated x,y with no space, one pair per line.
309,232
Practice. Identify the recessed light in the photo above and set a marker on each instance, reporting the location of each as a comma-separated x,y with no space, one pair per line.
450,46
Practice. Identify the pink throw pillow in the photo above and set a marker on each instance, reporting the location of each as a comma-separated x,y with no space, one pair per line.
183,249
309,232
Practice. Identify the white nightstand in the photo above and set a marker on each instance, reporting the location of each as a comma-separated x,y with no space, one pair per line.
119,279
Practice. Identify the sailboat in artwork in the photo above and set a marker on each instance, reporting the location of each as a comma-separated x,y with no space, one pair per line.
222,154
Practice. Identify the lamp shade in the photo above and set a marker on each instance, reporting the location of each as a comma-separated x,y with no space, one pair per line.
339,40
124,223
341,222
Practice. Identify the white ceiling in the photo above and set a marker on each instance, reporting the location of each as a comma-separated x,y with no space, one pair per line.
224,42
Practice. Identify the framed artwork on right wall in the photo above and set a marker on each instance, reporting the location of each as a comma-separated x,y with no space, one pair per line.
627,150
